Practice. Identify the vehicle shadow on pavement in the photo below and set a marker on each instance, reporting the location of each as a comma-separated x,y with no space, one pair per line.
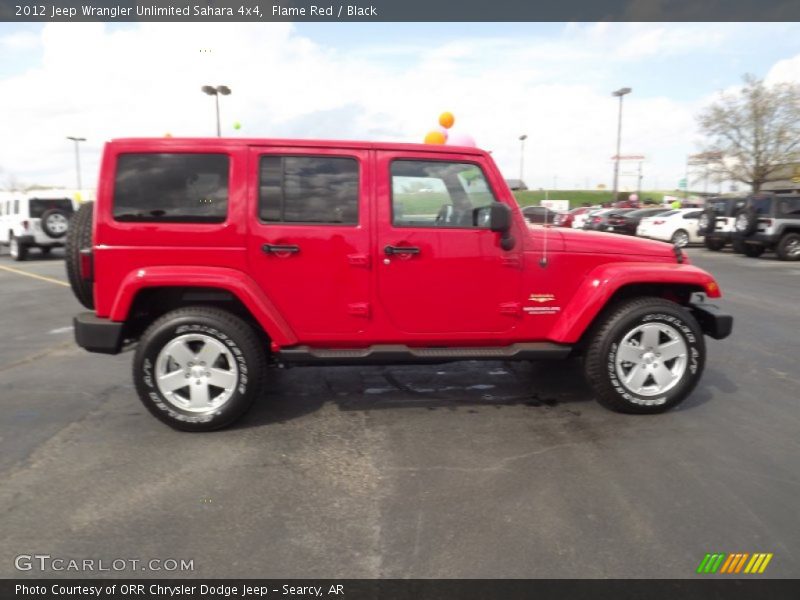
293,393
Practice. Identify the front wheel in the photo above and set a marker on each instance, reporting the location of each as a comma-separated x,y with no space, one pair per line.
645,357
199,368
789,247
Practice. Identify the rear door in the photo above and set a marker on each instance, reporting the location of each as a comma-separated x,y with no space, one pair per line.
308,247
441,272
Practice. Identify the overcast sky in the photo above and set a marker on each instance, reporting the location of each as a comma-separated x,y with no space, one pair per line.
381,82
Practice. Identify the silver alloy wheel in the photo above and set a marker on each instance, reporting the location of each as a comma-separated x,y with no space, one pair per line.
681,239
57,223
196,373
793,249
13,247
651,359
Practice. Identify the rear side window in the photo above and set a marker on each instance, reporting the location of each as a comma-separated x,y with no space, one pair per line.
39,206
693,215
788,207
762,206
308,189
179,188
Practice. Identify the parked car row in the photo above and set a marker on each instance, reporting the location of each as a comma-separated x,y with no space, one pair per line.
752,225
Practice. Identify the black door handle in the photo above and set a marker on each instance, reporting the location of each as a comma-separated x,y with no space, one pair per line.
280,248
389,250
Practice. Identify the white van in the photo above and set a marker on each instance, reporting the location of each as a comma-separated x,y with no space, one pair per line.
34,220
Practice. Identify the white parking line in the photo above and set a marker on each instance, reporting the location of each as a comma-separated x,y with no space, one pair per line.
60,330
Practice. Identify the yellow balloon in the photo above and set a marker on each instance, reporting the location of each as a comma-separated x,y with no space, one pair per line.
446,120
435,137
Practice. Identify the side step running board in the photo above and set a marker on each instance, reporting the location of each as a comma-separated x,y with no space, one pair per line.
397,353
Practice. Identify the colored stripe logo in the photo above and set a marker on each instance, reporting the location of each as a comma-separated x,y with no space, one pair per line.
737,562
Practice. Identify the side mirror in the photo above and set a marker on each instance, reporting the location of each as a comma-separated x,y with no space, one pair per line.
499,217
500,222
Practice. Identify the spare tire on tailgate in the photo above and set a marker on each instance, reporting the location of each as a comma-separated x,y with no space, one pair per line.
79,236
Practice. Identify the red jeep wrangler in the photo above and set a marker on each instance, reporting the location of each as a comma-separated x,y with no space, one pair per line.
223,257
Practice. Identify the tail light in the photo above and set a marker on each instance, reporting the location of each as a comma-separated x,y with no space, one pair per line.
87,264
659,222
596,219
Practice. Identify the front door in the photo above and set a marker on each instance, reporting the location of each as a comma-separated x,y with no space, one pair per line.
441,272
309,242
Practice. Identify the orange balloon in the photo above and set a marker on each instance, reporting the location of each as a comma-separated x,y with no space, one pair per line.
435,137
446,120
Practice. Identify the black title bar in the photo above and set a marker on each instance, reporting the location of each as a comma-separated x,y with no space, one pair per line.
399,10
400,589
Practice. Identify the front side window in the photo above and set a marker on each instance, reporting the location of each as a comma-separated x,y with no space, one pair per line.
762,206
308,189
178,188
439,194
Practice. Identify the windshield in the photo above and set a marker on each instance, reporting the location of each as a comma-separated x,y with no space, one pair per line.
38,206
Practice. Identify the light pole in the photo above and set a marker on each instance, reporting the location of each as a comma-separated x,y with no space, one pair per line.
216,91
77,141
619,94
522,139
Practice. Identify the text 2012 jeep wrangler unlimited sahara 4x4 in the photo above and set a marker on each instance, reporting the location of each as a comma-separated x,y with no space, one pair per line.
222,257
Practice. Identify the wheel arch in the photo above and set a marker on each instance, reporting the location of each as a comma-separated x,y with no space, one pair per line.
149,293
608,285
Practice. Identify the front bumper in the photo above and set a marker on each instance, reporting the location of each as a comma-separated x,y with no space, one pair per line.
712,320
96,334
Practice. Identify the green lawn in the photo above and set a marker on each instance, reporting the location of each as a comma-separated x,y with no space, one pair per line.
579,197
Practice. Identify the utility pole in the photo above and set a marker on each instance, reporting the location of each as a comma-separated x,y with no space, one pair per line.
620,93
77,141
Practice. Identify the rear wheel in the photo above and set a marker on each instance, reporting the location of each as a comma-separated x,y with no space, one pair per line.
645,357
199,368
79,236
789,247
737,245
17,250
752,251
714,244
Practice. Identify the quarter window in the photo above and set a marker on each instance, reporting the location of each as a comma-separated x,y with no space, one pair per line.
308,189
439,194
181,188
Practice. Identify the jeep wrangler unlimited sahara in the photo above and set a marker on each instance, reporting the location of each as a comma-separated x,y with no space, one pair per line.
219,258
770,222
716,224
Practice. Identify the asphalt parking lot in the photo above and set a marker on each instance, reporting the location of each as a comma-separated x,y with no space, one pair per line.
462,470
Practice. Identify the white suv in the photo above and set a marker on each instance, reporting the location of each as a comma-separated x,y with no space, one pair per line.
676,226
33,220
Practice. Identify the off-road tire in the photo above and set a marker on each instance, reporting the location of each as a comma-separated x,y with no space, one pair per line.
752,250
18,251
79,236
786,248
244,344
711,222
47,226
603,345
746,221
714,244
